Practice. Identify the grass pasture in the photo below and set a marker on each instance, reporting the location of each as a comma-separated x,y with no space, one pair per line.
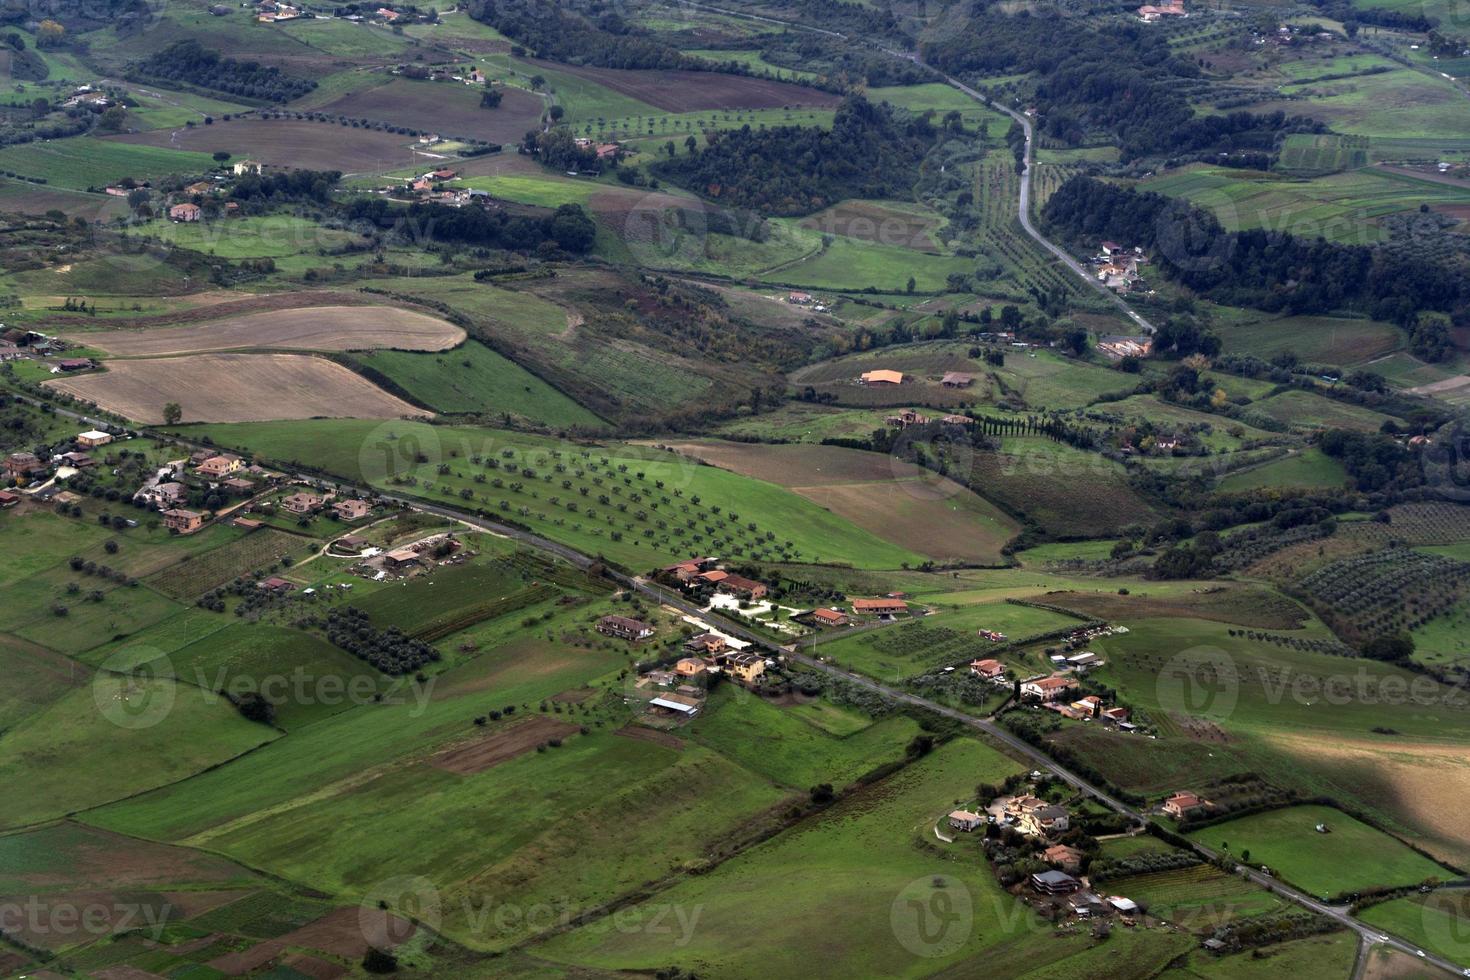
1306,410
81,751
897,501
846,867
1315,339
1435,922
82,162
473,379
451,109
1199,898
1353,856
1308,468
1341,207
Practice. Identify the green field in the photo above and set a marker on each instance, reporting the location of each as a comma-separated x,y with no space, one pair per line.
1435,922
473,379
1314,339
1305,410
1351,857
1308,468
782,746
386,454
758,910
83,162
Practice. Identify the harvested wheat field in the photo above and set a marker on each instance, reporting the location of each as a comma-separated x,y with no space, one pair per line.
235,388
324,328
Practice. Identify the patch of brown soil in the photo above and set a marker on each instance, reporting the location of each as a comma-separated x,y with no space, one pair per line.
341,932
653,735
236,388
576,696
311,966
466,760
691,91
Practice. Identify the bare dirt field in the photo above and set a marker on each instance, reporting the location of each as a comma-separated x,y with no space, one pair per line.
691,91
454,109
871,221
290,143
323,328
466,760
653,735
235,388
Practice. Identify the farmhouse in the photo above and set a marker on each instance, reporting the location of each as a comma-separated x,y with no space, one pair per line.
184,212
1085,660
351,510
829,617
302,503
236,485
216,467
706,643
1115,714
244,167
1150,13
745,588
964,420
745,667
957,379
1045,821
879,607
182,521
1085,905
75,364
882,377
987,669
906,418
22,466
965,820
712,577
8,498
1121,347
79,461
275,584
1048,688
1091,706
93,439
624,628
688,570
1054,882
1063,857
692,666
1184,803
161,496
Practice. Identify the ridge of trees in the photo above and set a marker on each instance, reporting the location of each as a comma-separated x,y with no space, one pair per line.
191,62
795,170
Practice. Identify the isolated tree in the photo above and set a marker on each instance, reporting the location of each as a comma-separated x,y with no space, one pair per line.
172,413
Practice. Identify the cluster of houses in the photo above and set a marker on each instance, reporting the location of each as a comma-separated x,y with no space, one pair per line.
1116,266
880,609
694,574
677,692
168,489
23,468
29,345
269,12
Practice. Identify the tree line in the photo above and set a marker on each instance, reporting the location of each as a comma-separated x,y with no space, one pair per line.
795,170
191,62
1270,270
568,228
